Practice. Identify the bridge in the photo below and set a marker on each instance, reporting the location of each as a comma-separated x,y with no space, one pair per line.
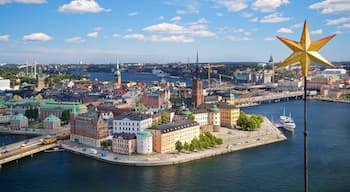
29,147
269,98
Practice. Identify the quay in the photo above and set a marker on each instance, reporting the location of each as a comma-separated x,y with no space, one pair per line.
270,98
332,100
233,140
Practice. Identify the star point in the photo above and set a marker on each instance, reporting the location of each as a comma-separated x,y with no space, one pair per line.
305,51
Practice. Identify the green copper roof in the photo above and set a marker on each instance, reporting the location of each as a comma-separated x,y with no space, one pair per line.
214,109
51,118
64,105
19,117
144,134
26,101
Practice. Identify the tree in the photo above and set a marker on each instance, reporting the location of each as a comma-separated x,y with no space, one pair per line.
178,146
35,113
219,141
191,117
65,116
192,147
249,123
32,114
155,122
104,144
186,146
165,117
140,107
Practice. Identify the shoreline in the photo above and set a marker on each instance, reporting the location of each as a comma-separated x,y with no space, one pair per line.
233,140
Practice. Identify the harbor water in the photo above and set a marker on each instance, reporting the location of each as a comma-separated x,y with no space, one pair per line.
276,167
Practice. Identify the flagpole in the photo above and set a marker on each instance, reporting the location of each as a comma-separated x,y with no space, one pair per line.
306,174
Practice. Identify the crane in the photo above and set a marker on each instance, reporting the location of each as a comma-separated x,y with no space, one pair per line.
209,66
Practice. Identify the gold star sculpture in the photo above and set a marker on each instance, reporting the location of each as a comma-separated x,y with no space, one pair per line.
305,51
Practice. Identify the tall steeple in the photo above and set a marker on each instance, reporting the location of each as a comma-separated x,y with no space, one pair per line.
197,67
197,86
118,77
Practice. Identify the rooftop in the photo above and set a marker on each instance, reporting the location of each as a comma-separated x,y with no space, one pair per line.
125,136
174,126
133,116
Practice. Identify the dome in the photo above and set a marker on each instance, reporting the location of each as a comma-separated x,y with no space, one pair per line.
19,117
144,134
185,112
51,118
117,73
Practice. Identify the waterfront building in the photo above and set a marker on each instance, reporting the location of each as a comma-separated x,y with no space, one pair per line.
52,122
214,117
88,128
166,135
56,108
124,143
144,142
229,113
4,84
131,123
19,121
200,116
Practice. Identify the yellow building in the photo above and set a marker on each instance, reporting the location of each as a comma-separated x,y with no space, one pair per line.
229,113
166,135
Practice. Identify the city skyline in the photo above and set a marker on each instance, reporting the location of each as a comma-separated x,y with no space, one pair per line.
97,31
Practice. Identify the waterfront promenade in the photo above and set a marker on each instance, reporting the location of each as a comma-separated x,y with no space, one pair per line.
233,140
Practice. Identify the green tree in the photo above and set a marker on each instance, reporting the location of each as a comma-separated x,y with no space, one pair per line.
178,146
219,141
165,117
29,114
192,147
191,117
155,122
140,107
35,113
104,144
186,146
65,116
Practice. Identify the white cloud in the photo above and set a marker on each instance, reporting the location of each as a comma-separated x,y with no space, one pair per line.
337,21
36,37
158,38
238,38
23,1
4,37
339,32
74,40
82,6
332,6
268,5
98,28
344,26
269,39
181,12
232,5
255,19
317,32
284,30
173,38
129,30
175,19
116,35
219,14
197,29
246,15
93,34
134,36
161,17
297,25
133,13
274,18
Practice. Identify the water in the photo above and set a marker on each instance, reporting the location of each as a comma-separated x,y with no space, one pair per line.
6,139
275,167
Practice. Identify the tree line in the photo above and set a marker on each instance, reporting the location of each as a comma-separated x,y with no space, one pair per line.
249,123
205,141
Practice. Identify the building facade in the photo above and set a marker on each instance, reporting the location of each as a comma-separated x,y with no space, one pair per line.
89,128
166,135
229,114
197,92
131,123
144,142
124,143
52,122
19,121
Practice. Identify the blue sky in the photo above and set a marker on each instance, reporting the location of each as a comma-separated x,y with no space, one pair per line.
98,31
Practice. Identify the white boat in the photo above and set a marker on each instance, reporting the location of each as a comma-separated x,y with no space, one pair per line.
287,122
159,73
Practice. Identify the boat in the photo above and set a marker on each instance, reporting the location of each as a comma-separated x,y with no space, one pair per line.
287,122
159,73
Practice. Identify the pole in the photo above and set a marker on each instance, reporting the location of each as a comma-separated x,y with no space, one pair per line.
306,176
